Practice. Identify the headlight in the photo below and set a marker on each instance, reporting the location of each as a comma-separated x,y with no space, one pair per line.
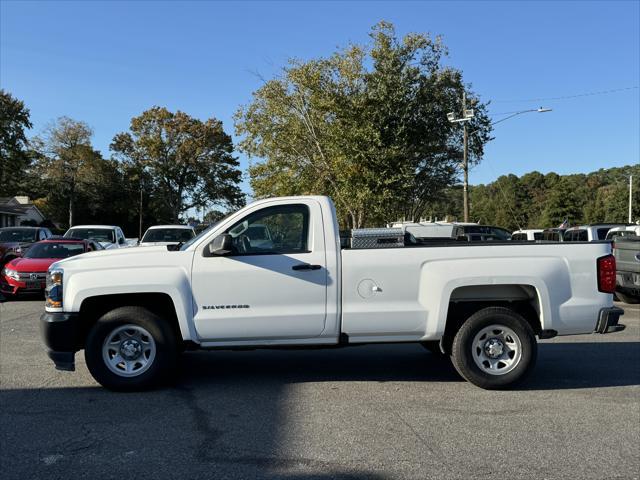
11,273
53,289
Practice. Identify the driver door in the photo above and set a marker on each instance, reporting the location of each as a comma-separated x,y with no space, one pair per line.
270,286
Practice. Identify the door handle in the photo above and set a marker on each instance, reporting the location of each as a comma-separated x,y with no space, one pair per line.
306,266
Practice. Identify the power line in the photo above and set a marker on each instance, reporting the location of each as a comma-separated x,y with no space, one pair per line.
565,97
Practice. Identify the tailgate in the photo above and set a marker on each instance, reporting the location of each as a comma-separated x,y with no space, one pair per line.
627,252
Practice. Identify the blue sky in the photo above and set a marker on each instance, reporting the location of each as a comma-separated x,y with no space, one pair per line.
105,62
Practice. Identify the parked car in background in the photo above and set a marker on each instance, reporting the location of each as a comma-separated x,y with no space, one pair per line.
167,235
28,273
527,235
627,252
430,230
623,232
553,234
484,232
481,237
589,233
132,242
14,241
109,236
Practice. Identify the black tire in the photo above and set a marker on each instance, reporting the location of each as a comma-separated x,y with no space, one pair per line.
627,298
161,368
433,346
463,351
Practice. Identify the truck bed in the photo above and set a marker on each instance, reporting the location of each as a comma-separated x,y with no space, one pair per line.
406,297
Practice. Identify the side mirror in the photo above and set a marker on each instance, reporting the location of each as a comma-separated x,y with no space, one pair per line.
121,241
221,245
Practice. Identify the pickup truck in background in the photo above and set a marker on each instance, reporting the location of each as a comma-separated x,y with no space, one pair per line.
589,233
163,235
627,253
109,236
134,310
528,235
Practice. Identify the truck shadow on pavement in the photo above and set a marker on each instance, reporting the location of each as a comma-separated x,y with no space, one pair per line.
559,365
243,415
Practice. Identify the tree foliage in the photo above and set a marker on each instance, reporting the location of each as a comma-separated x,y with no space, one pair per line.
15,158
537,201
66,161
366,125
187,162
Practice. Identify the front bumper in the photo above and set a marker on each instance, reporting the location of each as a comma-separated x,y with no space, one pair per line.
61,334
13,287
608,320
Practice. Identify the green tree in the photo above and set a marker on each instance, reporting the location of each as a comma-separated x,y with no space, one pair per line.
15,159
65,161
189,162
366,125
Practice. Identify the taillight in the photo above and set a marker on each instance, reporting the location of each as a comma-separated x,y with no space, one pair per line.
607,274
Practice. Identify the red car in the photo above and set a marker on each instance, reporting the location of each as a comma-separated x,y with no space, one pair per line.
28,273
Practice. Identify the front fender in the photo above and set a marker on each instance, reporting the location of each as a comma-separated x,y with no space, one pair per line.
172,281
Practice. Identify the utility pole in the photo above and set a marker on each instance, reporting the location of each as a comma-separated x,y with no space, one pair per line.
630,197
140,216
466,116
465,161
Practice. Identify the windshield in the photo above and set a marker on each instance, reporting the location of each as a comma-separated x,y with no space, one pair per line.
54,250
168,235
17,235
99,234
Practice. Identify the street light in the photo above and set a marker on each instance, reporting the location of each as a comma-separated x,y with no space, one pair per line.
468,115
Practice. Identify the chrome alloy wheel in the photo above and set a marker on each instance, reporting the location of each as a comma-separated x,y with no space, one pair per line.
129,350
496,349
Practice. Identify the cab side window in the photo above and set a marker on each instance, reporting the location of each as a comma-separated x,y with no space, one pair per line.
272,230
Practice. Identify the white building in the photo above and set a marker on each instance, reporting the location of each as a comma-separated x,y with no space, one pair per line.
14,211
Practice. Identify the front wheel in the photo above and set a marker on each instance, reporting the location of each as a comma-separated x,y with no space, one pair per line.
130,349
495,347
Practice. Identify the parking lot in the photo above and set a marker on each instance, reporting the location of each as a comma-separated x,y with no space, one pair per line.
388,411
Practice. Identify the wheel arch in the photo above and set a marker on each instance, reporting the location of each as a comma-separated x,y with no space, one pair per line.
159,303
465,300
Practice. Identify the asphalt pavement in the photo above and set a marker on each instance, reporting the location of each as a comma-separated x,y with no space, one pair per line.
380,412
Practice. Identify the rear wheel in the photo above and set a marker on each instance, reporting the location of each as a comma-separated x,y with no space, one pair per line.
131,348
495,347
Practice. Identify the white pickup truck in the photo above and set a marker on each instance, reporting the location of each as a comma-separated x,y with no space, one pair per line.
134,310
